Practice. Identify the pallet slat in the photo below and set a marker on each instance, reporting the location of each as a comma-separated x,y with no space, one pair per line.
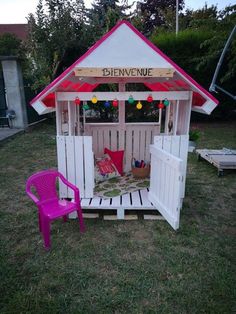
145,201
115,201
85,202
136,199
95,202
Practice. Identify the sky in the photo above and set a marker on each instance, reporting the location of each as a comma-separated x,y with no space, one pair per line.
16,11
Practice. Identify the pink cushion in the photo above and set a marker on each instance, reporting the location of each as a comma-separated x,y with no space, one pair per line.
117,158
105,166
105,169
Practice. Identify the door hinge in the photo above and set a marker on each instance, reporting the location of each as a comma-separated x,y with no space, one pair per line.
181,178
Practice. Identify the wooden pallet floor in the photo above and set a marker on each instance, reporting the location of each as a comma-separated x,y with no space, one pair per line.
119,206
135,200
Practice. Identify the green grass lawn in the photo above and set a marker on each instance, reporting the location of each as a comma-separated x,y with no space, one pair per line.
118,266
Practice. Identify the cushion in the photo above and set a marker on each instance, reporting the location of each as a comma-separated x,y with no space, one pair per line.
105,169
117,158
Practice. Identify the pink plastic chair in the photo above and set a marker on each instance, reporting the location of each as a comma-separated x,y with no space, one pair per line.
50,207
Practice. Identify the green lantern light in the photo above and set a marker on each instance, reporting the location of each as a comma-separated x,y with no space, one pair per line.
131,100
166,102
86,107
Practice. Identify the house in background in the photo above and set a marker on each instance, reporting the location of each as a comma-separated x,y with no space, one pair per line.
19,30
12,94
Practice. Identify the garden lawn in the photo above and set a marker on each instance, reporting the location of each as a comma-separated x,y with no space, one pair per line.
118,266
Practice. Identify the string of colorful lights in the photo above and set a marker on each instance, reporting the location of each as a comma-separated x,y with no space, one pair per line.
115,102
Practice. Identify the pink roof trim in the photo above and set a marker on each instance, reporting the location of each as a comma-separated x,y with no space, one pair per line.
101,40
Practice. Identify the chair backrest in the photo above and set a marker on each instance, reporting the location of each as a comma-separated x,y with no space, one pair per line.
44,183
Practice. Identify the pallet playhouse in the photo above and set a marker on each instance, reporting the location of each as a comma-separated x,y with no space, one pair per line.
124,56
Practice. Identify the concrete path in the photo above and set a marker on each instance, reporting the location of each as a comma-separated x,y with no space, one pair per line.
7,132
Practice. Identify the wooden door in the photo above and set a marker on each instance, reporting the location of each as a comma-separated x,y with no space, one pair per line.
166,184
176,145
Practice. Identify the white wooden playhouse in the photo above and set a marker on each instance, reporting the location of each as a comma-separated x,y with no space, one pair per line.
125,56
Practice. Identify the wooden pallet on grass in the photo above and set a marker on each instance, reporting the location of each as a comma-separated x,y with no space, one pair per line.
220,158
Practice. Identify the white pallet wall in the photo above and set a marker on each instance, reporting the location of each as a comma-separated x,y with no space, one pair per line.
135,140
75,162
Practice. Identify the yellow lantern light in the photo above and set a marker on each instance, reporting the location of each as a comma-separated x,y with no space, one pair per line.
139,105
94,100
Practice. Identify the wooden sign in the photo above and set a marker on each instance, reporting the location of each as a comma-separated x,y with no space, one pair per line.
124,72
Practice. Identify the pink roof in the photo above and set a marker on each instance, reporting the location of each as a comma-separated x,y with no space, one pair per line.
66,82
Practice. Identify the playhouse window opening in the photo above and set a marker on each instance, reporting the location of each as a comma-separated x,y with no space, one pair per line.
138,87
113,87
99,113
149,111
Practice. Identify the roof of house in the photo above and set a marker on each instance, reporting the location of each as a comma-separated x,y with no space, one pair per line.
125,47
19,30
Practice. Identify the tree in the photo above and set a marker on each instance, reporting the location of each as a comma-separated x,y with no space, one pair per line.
197,50
10,45
221,24
205,17
153,13
104,14
58,26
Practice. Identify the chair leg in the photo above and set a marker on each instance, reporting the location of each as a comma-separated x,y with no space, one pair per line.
81,219
46,233
40,222
65,218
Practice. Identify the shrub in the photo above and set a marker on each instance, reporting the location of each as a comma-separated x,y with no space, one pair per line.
194,135
192,51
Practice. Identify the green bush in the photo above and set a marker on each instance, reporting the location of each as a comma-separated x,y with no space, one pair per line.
194,135
191,50
185,50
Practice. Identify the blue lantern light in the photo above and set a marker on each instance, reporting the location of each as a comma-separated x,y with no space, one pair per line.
107,104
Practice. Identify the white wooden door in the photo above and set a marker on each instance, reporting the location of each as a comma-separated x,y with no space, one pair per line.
166,184
176,145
